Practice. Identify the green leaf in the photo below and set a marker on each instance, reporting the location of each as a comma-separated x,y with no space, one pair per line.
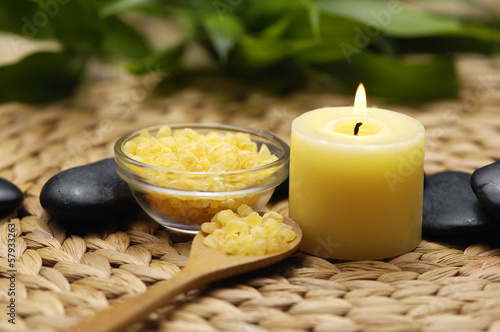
392,17
259,15
122,41
223,32
279,28
168,60
470,39
255,53
24,18
115,7
314,19
321,52
40,77
330,28
297,43
76,24
262,52
201,6
415,80
187,21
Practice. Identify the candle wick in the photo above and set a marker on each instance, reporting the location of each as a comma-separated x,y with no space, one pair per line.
356,128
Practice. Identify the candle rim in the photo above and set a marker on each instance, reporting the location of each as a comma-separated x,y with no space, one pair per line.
413,131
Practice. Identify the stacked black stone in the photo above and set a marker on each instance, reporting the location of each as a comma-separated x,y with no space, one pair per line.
461,207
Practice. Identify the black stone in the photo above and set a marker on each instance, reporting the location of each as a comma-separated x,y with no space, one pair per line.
281,192
452,211
485,183
88,194
10,197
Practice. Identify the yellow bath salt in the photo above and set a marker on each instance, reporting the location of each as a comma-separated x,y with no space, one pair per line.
186,150
247,233
197,210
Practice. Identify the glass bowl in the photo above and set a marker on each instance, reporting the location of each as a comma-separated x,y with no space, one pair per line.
157,190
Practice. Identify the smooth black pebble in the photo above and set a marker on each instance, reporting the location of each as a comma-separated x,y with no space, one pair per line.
452,210
485,183
88,194
281,192
10,197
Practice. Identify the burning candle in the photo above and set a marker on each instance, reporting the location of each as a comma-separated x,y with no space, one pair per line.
356,181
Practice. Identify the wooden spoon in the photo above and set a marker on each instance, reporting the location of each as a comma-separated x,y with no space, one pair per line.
205,265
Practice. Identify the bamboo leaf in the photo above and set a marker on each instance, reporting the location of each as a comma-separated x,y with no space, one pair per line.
40,77
259,15
392,17
115,7
251,52
314,18
470,39
298,42
222,32
168,60
76,24
24,18
122,41
280,27
410,79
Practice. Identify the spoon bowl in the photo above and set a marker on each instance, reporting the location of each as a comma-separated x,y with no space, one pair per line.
205,265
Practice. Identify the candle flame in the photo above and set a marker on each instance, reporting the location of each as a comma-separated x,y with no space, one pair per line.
360,98
360,101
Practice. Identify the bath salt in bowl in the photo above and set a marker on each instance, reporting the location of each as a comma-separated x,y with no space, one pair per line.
183,174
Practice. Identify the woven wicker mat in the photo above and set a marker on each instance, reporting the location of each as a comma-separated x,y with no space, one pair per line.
63,278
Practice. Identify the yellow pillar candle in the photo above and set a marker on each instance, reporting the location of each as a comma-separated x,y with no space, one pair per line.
356,181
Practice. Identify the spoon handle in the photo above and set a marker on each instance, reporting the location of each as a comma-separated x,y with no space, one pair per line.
134,309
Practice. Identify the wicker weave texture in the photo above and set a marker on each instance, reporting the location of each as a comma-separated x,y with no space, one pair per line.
63,278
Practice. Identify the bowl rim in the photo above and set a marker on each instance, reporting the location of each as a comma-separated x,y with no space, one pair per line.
284,159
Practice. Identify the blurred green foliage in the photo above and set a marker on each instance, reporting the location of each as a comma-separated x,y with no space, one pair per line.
277,43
